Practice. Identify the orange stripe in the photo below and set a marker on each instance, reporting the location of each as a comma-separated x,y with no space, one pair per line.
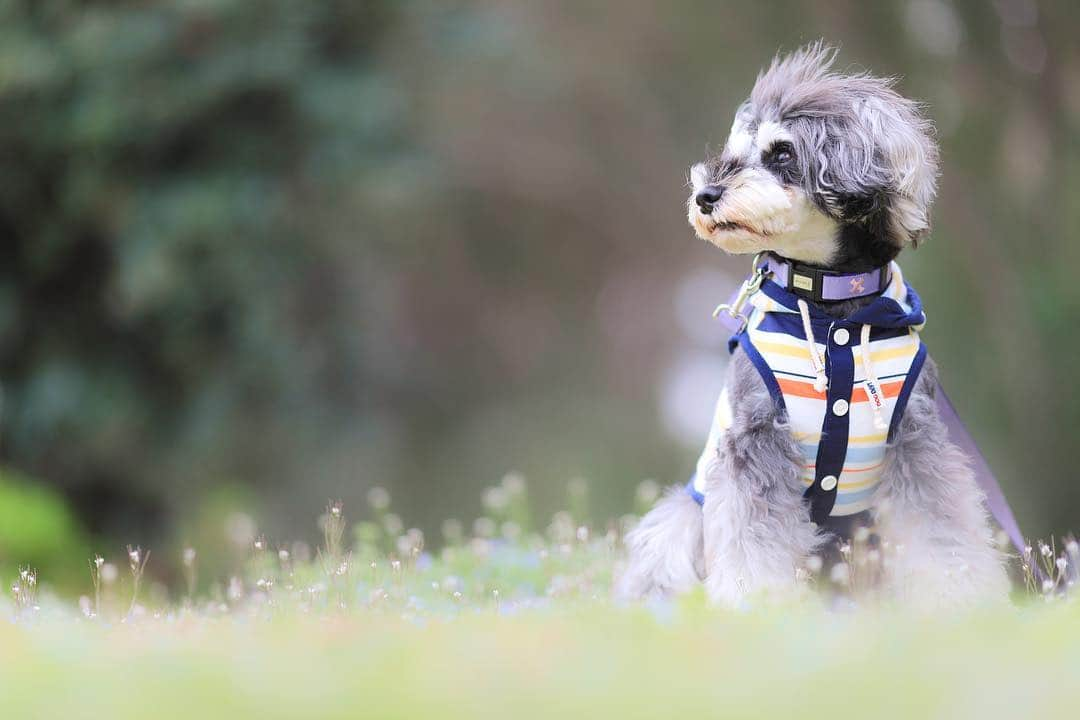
861,470
799,388
889,390
806,389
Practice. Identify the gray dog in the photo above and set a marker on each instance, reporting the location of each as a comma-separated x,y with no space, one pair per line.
827,421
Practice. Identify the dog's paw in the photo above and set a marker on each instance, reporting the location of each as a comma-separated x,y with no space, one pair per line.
665,550
934,586
731,589
728,591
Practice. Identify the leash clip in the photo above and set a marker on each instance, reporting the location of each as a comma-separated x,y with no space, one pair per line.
750,286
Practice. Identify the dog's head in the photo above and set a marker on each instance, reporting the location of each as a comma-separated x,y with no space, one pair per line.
821,167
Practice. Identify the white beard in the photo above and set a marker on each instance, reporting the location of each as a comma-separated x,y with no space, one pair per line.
767,215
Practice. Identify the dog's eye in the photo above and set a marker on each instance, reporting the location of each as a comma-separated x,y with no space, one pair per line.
781,154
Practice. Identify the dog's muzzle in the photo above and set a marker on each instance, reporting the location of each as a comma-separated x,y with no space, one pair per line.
707,197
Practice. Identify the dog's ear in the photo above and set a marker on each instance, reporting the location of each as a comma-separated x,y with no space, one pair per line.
908,152
870,157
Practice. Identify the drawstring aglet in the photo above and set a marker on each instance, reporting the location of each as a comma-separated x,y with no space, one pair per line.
821,382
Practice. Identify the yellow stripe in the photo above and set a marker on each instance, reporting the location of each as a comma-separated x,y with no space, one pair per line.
844,486
879,356
813,437
781,349
800,351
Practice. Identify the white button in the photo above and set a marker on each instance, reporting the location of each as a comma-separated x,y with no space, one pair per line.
841,337
840,407
828,483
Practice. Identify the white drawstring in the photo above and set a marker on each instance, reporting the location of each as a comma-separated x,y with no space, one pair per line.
821,382
873,388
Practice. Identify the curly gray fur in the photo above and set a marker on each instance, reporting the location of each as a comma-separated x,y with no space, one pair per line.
855,136
757,528
931,507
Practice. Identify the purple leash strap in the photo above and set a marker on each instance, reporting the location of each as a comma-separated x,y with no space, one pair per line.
984,476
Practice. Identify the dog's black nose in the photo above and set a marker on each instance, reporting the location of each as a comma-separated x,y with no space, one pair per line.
708,196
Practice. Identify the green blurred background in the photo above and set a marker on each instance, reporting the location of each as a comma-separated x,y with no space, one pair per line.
255,254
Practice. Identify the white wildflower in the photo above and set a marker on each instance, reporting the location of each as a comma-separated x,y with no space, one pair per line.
647,492
392,524
109,573
484,527
495,499
378,498
511,531
514,483
839,573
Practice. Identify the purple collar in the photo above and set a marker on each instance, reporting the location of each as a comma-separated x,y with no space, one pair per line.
825,285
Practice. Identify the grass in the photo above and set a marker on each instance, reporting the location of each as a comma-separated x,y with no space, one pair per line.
504,623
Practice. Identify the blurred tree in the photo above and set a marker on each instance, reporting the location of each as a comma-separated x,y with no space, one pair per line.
171,275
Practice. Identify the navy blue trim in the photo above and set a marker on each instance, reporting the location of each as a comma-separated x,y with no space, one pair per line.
832,447
698,497
788,373
905,391
883,312
886,312
790,323
763,369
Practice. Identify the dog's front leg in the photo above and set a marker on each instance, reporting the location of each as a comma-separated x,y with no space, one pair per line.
941,551
756,523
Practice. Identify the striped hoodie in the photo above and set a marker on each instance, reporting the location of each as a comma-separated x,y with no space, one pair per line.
844,405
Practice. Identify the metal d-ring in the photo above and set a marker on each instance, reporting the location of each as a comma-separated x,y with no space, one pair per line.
750,286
